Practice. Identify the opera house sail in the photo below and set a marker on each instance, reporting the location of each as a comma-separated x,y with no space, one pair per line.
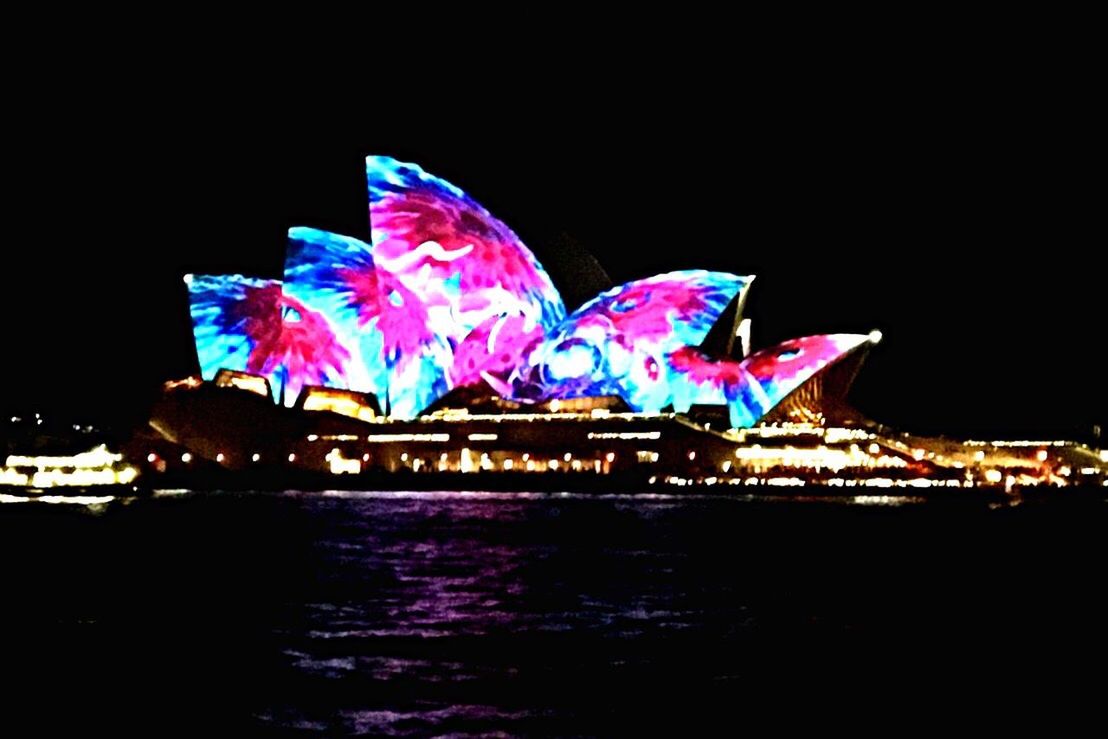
444,314
447,296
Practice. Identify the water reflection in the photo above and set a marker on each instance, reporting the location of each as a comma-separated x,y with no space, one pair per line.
484,613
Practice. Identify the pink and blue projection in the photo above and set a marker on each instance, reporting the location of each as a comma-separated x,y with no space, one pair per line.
445,295
253,326
617,343
752,387
449,267
334,275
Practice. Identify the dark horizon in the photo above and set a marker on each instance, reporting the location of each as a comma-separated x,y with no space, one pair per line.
958,238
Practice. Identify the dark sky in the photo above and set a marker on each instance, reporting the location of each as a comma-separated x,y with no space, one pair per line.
961,221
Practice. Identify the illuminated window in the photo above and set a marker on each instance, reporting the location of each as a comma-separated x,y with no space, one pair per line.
343,402
243,381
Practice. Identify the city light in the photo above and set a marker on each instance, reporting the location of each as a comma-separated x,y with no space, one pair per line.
446,321
391,438
98,466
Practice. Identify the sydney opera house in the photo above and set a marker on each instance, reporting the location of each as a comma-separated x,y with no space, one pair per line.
443,345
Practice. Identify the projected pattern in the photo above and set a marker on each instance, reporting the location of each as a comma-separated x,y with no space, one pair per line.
447,295
251,325
448,266
335,276
752,387
616,344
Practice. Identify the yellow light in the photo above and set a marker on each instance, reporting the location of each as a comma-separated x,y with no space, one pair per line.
386,438
507,464
342,466
46,478
553,464
343,402
979,456
994,476
188,382
526,457
13,477
610,456
1041,455
874,449
403,457
555,405
243,381
96,457
567,456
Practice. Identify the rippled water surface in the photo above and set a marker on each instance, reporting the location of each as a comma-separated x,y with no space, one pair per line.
537,614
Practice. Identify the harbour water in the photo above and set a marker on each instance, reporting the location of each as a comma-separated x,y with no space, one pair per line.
471,614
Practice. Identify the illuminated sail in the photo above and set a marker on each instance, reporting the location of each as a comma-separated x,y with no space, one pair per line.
752,387
444,266
334,276
250,325
616,344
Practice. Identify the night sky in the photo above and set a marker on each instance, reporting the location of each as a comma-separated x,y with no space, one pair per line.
957,222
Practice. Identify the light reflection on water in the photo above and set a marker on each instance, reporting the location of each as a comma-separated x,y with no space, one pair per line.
451,495
415,613
84,500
